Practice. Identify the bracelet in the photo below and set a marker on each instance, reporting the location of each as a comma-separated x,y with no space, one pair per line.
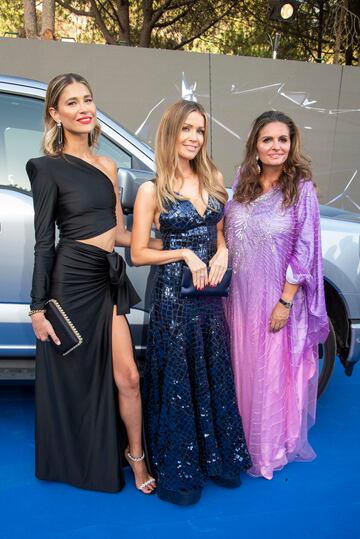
34,311
287,304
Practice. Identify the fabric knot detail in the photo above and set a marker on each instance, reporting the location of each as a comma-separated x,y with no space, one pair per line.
124,292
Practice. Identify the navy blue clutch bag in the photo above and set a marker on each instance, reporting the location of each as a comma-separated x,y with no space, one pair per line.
188,289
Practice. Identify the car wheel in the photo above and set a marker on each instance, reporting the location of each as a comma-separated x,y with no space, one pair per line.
327,356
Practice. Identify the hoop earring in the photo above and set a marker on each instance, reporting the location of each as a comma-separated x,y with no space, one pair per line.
59,136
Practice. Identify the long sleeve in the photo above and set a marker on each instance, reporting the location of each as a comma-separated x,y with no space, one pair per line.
307,237
45,194
305,265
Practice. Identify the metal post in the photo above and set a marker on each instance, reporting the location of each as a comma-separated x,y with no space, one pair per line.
275,45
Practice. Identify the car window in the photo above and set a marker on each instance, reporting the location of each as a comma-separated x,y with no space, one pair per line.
121,158
21,128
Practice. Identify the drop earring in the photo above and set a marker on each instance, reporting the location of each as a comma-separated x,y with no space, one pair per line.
258,167
59,136
91,138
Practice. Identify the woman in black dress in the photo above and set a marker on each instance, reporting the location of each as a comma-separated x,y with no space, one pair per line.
78,397
191,416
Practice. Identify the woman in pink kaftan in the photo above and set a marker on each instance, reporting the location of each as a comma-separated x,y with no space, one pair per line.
276,309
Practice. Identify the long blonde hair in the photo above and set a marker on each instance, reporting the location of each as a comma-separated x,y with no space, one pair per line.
167,159
295,168
55,88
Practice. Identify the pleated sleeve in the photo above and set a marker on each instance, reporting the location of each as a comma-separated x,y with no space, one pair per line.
45,193
306,266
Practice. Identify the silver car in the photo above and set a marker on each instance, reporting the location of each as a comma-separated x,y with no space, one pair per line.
21,126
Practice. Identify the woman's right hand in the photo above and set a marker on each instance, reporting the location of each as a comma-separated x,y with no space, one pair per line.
43,329
198,269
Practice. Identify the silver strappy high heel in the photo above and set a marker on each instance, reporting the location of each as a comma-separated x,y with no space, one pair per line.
129,457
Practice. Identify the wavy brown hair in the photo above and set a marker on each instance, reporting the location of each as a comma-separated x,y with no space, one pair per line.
295,168
167,159
54,90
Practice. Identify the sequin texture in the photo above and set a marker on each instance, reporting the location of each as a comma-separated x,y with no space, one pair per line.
275,373
193,426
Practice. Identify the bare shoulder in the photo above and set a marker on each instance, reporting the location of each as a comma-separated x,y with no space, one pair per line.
147,188
108,165
219,177
146,195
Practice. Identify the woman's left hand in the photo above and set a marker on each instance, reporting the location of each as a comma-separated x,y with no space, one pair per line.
279,317
218,265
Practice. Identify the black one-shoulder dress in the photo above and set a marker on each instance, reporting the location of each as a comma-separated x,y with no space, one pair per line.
79,436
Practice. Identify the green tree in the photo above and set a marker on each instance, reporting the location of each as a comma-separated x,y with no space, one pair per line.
344,24
39,23
11,17
324,30
171,24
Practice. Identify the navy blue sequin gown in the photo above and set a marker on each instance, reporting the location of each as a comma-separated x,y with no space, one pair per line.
193,426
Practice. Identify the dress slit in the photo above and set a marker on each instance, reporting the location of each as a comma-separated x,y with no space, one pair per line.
78,426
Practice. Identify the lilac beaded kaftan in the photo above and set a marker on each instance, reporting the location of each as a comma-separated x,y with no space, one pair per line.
275,373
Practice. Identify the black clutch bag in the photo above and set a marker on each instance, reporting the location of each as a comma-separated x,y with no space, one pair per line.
188,289
69,336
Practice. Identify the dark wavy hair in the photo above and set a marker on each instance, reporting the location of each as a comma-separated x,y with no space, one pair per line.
295,168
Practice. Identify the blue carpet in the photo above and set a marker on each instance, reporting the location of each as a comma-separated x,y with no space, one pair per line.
318,500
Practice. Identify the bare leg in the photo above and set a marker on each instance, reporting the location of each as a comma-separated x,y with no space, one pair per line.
127,381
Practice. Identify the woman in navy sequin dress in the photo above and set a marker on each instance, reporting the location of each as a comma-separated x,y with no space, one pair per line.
193,426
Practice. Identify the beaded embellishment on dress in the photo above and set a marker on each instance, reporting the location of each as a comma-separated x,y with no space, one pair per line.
193,425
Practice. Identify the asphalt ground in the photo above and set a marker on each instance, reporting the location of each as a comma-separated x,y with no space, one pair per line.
318,500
